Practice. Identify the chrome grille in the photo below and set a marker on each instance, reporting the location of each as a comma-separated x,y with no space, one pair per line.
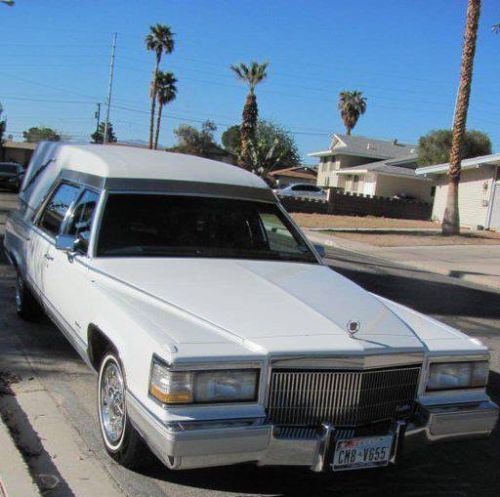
342,398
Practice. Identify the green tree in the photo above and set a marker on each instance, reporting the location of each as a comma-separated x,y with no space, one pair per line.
98,135
252,75
166,93
160,40
435,146
38,134
202,143
451,217
352,105
273,147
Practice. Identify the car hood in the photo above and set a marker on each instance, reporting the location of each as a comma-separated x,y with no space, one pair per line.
275,307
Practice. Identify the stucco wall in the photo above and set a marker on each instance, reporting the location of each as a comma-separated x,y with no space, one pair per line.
473,196
388,186
326,169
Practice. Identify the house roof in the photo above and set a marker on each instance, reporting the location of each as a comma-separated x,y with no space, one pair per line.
109,161
390,167
22,145
296,172
363,146
483,160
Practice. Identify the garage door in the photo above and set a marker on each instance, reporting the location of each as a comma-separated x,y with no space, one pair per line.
495,209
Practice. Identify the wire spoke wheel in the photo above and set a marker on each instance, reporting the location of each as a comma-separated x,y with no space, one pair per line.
112,402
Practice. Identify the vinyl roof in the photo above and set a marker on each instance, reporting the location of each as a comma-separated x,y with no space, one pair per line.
109,161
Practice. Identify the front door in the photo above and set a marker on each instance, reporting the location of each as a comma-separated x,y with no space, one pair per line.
66,281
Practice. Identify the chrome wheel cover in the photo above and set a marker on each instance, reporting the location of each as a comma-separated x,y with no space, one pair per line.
112,403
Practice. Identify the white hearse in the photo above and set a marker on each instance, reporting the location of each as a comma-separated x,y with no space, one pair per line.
218,334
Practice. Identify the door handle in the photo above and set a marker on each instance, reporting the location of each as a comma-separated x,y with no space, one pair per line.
49,257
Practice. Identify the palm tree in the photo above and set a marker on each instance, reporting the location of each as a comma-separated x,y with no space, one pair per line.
160,40
451,218
166,91
252,75
351,104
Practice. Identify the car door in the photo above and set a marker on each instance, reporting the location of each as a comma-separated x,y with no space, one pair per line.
47,225
66,280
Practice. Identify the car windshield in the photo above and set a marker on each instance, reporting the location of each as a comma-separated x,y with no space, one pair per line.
8,168
151,225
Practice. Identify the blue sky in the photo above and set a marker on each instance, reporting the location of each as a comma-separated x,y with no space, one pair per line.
403,54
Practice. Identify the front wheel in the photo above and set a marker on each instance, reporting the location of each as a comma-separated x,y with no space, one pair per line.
121,440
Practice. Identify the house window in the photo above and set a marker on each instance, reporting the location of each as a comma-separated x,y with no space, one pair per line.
355,183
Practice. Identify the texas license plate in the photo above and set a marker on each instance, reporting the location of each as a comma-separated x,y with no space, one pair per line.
362,452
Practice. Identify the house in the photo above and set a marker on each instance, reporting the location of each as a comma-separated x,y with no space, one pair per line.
478,191
20,152
357,164
289,175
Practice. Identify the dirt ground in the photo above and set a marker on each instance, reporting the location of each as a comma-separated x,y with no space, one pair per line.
327,221
421,239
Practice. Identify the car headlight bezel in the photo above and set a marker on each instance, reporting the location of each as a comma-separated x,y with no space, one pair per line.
171,387
457,375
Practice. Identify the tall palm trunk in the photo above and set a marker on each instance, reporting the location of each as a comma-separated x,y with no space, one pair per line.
153,103
451,218
158,122
248,126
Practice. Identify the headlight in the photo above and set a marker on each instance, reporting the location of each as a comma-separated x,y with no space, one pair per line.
188,387
447,376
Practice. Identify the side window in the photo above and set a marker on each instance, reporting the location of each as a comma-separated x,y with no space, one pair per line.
57,207
83,214
278,236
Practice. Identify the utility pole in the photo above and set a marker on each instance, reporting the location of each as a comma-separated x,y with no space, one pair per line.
97,115
110,87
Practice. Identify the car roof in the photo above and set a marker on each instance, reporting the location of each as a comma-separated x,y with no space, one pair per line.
114,161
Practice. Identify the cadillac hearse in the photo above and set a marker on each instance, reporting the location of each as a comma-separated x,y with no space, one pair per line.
218,334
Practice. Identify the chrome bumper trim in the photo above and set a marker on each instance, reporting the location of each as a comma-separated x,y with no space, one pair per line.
261,443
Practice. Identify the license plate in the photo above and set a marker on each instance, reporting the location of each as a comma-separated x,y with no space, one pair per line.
362,452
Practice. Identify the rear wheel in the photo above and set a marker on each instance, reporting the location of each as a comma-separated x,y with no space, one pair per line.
122,441
26,305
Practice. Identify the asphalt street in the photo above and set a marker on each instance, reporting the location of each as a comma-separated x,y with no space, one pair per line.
40,353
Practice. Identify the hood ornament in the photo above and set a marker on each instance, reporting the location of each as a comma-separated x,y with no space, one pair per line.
353,327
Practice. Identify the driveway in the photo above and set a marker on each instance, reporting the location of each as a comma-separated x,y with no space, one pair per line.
478,264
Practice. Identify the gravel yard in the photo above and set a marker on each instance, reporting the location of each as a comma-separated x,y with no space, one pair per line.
328,221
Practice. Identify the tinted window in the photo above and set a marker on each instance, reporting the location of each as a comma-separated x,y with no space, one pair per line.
8,168
306,188
144,225
83,214
57,207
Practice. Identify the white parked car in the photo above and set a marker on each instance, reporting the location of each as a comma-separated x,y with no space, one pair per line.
218,334
302,190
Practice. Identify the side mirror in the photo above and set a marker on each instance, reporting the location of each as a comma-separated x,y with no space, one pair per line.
69,243
321,250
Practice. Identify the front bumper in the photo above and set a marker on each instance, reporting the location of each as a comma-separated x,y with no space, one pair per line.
238,441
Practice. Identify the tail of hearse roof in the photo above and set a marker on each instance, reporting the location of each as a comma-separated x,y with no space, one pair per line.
115,161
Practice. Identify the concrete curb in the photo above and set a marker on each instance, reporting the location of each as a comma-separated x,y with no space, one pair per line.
15,478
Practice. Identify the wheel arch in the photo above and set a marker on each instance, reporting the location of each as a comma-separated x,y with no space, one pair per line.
98,343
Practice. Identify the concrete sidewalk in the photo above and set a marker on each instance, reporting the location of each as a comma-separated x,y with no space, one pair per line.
15,478
478,264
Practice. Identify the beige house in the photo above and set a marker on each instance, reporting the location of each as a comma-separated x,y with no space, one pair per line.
290,175
357,164
20,152
478,191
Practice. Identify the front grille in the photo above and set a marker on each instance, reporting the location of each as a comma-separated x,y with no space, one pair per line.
341,398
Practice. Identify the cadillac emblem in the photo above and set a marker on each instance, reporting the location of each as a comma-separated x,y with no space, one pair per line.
353,327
